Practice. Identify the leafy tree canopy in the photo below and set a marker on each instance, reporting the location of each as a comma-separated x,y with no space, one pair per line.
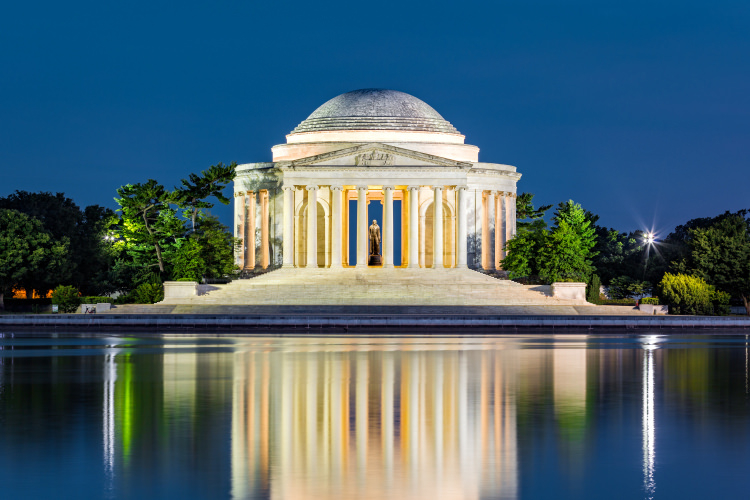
29,256
720,253
192,196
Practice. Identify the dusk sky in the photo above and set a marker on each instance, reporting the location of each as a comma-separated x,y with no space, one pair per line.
640,111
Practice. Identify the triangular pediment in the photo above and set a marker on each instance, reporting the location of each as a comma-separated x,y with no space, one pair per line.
378,155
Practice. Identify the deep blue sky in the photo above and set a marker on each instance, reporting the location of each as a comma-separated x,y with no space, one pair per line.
638,110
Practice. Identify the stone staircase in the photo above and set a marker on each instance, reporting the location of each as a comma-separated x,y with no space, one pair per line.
373,287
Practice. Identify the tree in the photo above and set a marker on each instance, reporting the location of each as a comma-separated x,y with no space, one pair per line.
27,252
88,256
720,253
217,247
148,222
565,254
193,194
526,214
522,251
581,222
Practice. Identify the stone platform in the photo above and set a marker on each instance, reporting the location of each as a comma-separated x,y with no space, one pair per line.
375,287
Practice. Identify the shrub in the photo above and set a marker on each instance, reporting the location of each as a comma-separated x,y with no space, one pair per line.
617,302
147,293
94,299
650,300
720,303
686,294
186,279
67,298
593,294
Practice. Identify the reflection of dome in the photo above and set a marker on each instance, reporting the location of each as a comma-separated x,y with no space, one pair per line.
375,109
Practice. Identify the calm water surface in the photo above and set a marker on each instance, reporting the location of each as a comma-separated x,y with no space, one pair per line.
521,416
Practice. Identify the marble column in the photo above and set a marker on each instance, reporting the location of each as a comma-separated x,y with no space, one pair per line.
265,246
461,230
510,203
437,228
362,247
240,214
388,227
251,225
337,238
499,233
288,243
488,231
312,226
413,243
503,217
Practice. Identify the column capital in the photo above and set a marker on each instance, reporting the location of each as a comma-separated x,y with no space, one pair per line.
388,187
288,187
312,188
462,188
336,188
438,187
239,193
413,188
362,188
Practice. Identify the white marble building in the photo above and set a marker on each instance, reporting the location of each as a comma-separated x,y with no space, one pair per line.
370,146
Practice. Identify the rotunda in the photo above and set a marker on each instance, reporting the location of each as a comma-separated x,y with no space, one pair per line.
374,154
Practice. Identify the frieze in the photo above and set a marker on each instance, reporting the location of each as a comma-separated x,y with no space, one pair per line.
374,158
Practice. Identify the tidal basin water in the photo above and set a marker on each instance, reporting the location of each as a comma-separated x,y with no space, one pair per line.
449,417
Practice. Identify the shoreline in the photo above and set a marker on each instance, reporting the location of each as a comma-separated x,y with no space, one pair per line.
347,321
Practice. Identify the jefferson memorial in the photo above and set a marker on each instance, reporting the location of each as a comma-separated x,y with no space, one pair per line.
311,206
374,199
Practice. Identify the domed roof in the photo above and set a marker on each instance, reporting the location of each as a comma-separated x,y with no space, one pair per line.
375,109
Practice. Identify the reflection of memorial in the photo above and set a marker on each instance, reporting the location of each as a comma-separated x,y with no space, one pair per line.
427,424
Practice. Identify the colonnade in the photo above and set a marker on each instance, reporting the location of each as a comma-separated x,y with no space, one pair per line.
469,227
337,226
252,216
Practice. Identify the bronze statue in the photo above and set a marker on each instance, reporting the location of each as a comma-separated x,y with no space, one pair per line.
374,235
374,238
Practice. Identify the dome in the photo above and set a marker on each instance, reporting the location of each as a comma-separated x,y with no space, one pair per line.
375,109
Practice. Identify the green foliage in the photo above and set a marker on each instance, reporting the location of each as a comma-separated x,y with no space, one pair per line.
685,294
562,254
191,197
720,303
187,262
720,252
523,250
617,302
625,286
217,247
93,299
526,214
593,290
185,279
148,223
67,298
85,264
29,256
650,300
147,293
563,257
